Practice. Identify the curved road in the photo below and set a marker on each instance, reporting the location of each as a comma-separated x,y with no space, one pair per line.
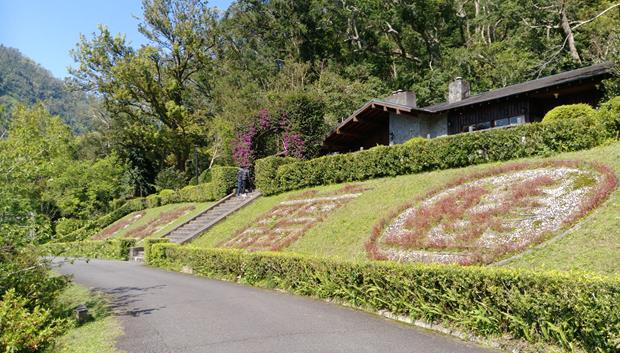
169,312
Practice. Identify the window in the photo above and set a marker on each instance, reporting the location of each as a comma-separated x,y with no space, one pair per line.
515,120
479,126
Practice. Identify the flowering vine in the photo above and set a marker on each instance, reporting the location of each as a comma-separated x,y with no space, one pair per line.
287,142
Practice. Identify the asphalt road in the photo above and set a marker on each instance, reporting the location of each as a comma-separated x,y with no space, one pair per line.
163,311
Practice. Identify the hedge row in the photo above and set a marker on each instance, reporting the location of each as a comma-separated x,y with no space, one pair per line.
223,181
115,249
454,151
266,172
564,309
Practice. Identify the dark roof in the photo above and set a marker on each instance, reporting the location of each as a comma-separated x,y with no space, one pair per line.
529,86
598,70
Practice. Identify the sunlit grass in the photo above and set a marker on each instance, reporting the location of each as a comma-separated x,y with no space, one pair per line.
591,246
95,336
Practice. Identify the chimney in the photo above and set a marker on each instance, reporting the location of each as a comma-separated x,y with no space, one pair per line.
458,90
402,97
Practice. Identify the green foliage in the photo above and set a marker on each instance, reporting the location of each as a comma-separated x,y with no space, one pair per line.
23,81
414,140
266,171
170,178
223,181
148,248
83,189
453,151
570,112
609,115
65,226
566,309
26,329
116,249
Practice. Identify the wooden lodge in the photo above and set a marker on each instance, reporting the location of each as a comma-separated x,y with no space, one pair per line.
397,118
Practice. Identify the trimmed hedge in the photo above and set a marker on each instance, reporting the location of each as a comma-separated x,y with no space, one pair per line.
570,112
454,151
223,182
566,309
266,171
116,249
148,246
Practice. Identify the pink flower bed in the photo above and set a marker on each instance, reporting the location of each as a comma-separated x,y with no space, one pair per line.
291,219
483,216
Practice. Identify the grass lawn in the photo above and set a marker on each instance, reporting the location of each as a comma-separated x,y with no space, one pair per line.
96,336
132,224
595,246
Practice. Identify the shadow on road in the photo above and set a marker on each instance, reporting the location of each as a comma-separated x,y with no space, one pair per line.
126,300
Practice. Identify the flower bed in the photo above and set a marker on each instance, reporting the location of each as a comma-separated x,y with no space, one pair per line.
291,219
481,217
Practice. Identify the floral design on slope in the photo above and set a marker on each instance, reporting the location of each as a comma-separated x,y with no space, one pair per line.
291,219
478,218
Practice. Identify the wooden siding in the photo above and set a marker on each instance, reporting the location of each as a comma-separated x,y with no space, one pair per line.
460,120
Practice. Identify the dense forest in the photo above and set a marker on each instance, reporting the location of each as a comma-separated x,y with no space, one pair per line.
24,81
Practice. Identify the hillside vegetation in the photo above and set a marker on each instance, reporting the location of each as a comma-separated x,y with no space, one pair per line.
24,81
593,245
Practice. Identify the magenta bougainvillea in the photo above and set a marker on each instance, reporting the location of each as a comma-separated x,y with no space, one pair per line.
252,143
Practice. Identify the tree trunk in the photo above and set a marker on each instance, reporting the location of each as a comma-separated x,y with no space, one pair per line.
570,38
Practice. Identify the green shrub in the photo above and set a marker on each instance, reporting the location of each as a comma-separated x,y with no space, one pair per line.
153,200
26,330
609,115
454,151
570,112
148,246
205,176
170,178
557,308
168,196
117,249
415,140
65,226
223,181
266,169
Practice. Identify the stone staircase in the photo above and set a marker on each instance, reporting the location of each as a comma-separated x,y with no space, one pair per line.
200,223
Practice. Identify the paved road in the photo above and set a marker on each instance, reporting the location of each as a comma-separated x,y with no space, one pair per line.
163,312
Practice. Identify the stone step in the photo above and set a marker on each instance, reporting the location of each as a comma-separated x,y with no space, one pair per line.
204,221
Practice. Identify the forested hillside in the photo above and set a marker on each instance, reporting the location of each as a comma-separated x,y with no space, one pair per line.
24,81
269,77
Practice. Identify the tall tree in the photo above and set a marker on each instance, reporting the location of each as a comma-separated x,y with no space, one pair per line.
159,90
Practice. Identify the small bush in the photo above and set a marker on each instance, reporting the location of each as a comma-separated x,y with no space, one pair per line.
205,176
148,246
570,112
65,226
609,115
26,330
223,181
566,309
168,196
170,178
415,140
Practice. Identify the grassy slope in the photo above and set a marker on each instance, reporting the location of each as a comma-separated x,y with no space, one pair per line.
154,213
98,335
595,246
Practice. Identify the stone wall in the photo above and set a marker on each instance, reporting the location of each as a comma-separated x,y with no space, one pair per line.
403,127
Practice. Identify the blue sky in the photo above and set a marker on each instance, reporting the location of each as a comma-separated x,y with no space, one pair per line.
45,30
